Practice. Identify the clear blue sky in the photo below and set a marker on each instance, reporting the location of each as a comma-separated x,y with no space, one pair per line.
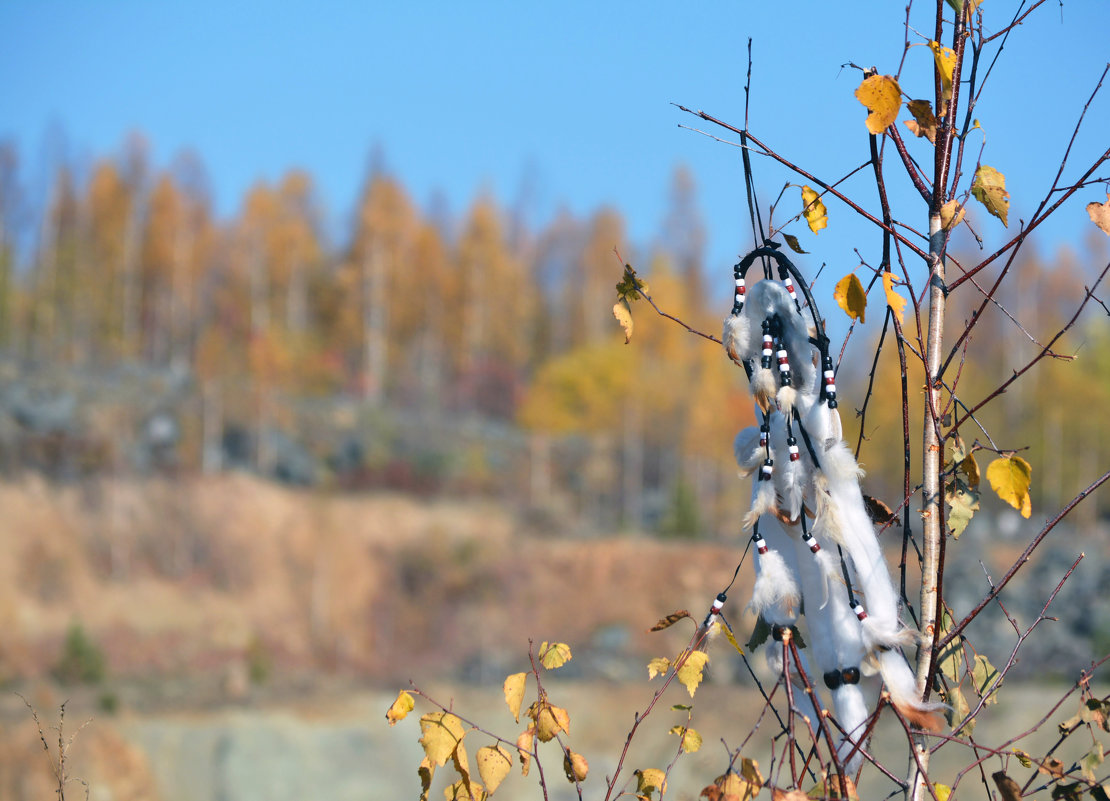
469,97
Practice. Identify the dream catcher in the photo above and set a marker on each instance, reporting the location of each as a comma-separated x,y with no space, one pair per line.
816,549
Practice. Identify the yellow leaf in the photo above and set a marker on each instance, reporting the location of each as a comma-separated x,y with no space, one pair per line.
732,638
942,791
895,301
989,188
691,740
494,764
426,771
575,766
442,733
850,296
463,791
945,58
400,708
951,214
1010,477
658,666
554,655
650,780
882,97
813,209
524,749
1024,758
971,470
623,315
924,122
550,721
514,694
1100,214
743,786
462,766
690,674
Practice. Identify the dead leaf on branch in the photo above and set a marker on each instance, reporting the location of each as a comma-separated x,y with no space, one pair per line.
1007,787
670,620
1010,478
1100,214
623,315
924,122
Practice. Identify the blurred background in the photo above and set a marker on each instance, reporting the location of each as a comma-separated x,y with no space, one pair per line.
309,382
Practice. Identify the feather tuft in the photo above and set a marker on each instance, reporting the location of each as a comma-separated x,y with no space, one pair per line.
775,594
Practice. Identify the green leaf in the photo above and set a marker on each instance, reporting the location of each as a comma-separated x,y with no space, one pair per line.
1091,760
630,286
1024,758
963,503
850,296
957,712
950,660
989,188
984,674
760,632
1010,478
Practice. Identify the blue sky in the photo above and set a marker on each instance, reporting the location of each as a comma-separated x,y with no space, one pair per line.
570,99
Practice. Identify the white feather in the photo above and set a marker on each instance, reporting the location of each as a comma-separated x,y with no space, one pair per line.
775,595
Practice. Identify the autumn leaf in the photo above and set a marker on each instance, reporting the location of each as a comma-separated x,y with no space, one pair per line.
463,790
989,188
850,296
793,244
985,675
1010,477
813,209
788,795
494,764
691,740
924,122
658,666
1052,767
1100,214
951,215
670,620
895,301
963,503
554,655
524,749
882,97
651,780
945,58
690,674
426,771
442,732
734,786
877,511
400,708
1024,758
731,637
631,285
970,468
1091,760
575,766
550,721
623,315
514,694
1007,787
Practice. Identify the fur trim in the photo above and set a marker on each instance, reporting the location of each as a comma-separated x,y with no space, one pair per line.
902,686
775,595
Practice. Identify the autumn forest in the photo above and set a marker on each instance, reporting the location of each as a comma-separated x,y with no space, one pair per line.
436,354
